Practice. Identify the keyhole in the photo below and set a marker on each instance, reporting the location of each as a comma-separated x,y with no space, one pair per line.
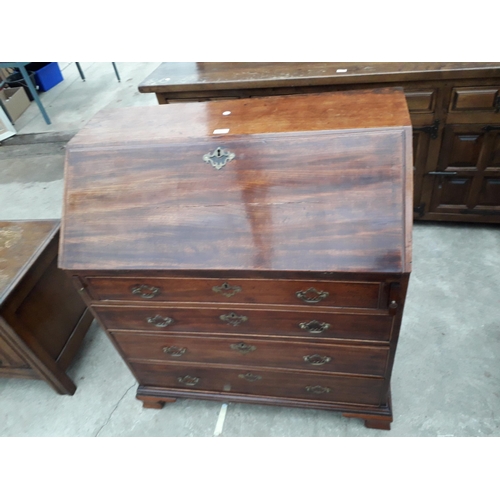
218,152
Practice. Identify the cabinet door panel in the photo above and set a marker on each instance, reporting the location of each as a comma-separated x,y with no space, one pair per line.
420,153
493,162
451,193
420,100
474,99
467,181
489,194
462,146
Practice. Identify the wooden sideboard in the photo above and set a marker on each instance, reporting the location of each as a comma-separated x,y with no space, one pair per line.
42,318
234,257
454,109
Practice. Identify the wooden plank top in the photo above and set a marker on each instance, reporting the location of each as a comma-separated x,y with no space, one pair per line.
21,242
199,76
318,183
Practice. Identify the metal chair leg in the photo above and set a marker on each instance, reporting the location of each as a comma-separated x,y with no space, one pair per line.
80,71
116,71
34,93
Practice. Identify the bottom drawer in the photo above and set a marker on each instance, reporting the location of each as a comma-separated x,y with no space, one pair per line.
338,389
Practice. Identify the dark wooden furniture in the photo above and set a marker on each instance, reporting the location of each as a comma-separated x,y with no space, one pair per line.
251,251
42,318
454,109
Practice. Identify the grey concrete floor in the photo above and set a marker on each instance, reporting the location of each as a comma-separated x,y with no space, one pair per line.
446,379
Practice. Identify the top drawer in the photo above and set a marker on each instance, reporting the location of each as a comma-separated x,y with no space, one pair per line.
236,291
484,99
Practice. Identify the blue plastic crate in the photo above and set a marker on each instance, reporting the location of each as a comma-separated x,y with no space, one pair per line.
47,75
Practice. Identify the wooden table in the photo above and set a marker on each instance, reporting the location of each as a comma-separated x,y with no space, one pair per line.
454,109
42,317
234,257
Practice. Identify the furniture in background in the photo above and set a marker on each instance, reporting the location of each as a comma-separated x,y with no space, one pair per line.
454,109
251,251
6,127
21,66
42,317
83,76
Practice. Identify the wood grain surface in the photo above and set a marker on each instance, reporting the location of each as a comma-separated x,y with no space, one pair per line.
185,76
21,242
224,380
253,352
272,322
238,291
309,189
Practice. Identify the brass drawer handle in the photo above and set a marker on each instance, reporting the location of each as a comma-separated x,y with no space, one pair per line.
188,380
317,360
227,290
174,351
250,377
314,326
317,389
145,291
159,321
311,295
233,319
242,347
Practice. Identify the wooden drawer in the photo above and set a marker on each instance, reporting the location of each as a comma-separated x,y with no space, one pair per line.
421,100
246,321
319,387
236,291
475,99
254,352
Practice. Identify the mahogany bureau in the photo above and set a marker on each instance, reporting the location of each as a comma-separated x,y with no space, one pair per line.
251,251
42,318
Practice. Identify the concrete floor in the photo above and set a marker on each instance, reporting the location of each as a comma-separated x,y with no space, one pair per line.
446,379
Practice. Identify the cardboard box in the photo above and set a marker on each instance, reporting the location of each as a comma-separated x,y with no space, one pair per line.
4,73
15,102
6,128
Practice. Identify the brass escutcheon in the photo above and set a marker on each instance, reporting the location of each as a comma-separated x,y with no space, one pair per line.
242,347
218,158
233,319
227,290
